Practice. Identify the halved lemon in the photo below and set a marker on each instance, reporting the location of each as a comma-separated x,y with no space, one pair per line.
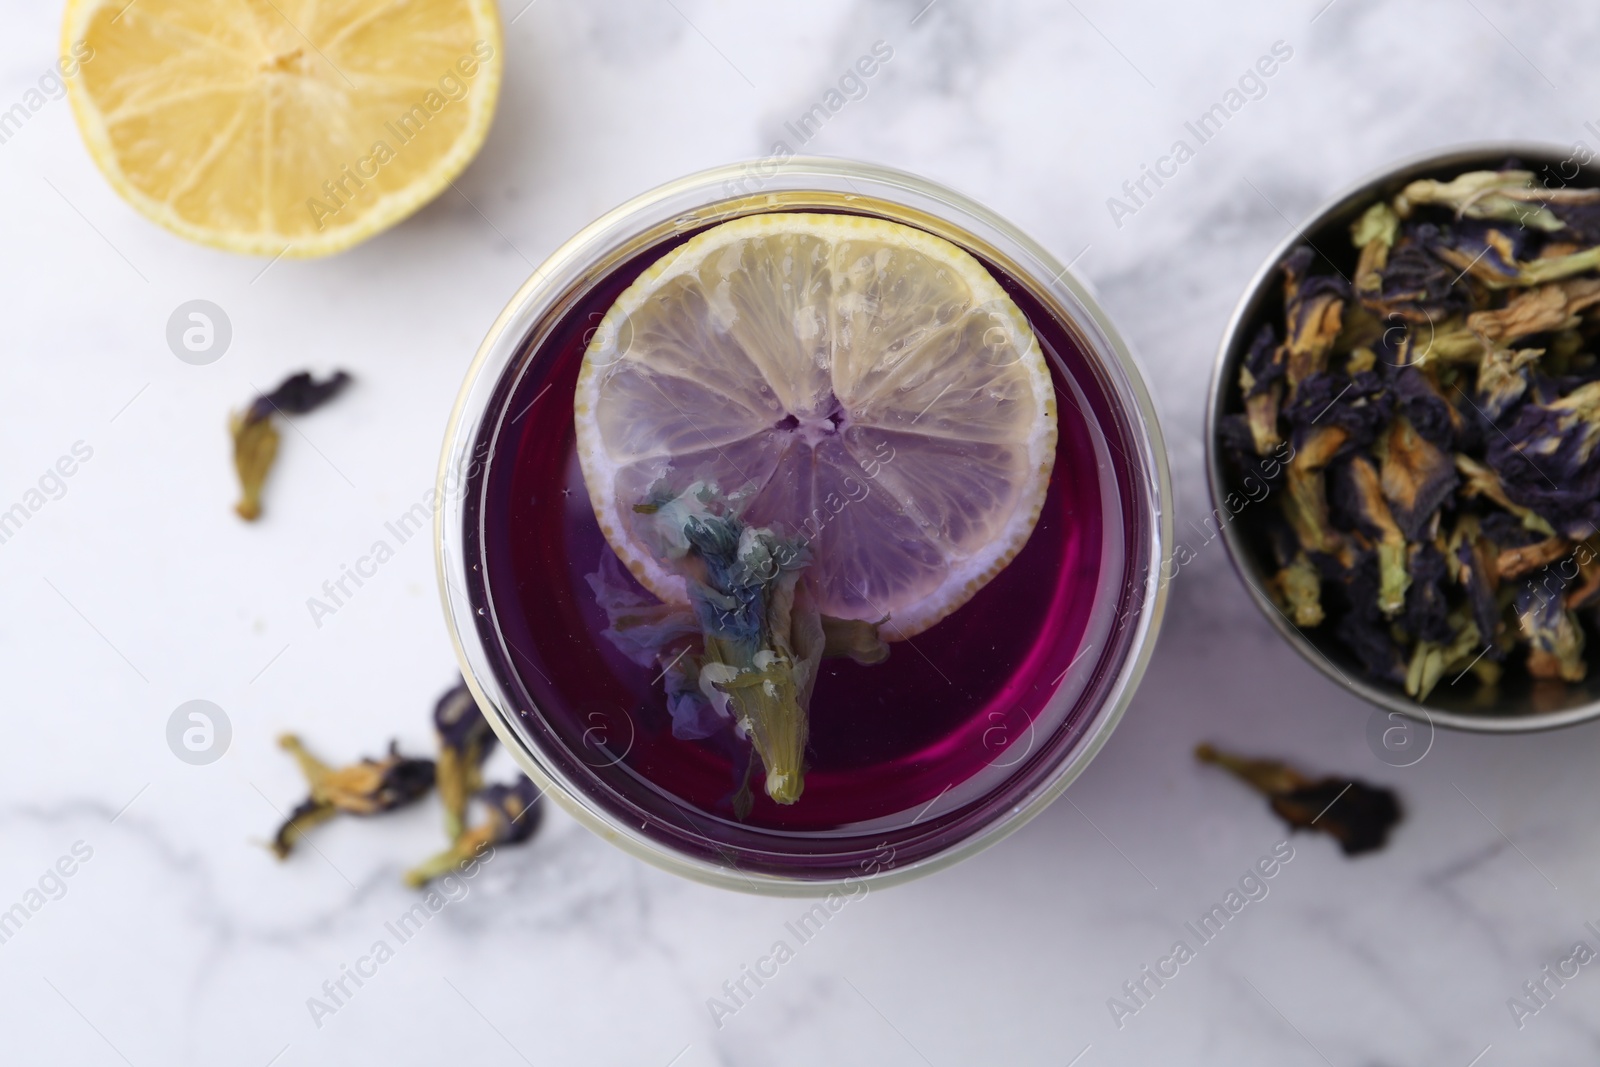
282,127
856,382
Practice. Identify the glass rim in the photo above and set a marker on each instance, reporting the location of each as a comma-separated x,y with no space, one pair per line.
536,298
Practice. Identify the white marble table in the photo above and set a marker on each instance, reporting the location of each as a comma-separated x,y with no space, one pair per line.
179,941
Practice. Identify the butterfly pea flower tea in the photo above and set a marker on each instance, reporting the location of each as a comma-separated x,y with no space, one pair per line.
802,525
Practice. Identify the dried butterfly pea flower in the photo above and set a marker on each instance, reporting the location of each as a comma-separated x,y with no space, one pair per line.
744,653
1374,234
1416,475
1358,489
1297,584
512,814
1446,433
1358,404
1509,195
1516,561
1581,220
1261,384
1503,378
1417,399
1555,640
465,742
1475,568
1357,815
298,394
1415,285
255,438
1313,317
1481,481
369,787
1484,258
1306,503
1456,649
1548,462
1427,605
1540,310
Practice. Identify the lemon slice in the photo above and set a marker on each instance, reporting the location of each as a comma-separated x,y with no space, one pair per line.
860,383
282,127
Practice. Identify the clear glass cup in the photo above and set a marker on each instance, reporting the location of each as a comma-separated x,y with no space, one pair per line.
1040,665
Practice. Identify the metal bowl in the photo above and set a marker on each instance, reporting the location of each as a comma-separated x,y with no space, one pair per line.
1518,704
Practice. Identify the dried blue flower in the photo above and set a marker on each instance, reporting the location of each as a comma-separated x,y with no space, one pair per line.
1358,404
1415,285
298,394
1357,815
1313,316
1555,640
1357,491
744,652
1417,399
512,814
1417,477
369,787
1548,462
1261,385
1442,412
255,438
1427,604
465,742
1472,561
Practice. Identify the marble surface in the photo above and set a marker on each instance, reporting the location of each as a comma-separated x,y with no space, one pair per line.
179,940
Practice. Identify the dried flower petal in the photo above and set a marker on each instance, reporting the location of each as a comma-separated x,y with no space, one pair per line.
751,660
1299,587
369,787
1540,310
1261,384
255,448
1418,400
255,439
465,742
1374,234
1359,491
1359,816
1313,315
1555,640
1548,460
1487,194
512,814
298,394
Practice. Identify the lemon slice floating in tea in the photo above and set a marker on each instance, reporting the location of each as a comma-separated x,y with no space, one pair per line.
859,384
282,126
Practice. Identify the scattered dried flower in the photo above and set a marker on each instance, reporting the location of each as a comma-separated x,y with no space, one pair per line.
255,438
1359,816
369,787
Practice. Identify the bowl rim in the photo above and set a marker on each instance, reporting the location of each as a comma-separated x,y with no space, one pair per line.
1106,345
1223,369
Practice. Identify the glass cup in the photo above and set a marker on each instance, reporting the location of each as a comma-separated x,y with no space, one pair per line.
969,730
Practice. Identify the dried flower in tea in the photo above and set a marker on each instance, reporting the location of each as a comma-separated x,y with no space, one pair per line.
1359,816
743,653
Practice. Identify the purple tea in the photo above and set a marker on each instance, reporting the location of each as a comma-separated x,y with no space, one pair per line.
954,712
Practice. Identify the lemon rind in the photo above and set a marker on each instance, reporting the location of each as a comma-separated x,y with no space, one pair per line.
388,210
